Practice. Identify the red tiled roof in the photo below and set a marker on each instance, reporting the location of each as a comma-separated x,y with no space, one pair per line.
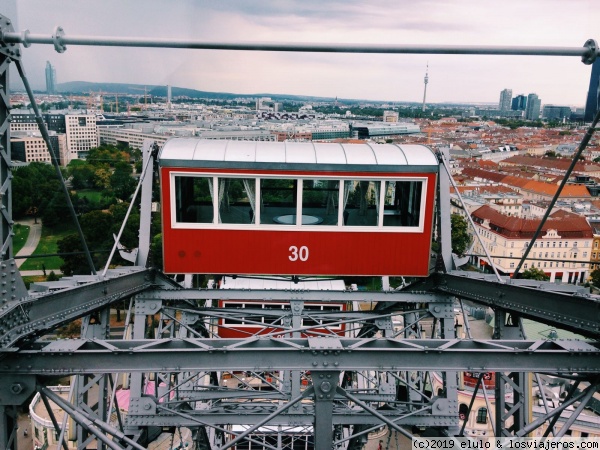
549,163
549,189
472,172
566,225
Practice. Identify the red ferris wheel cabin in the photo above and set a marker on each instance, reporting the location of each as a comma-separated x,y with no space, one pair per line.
296,208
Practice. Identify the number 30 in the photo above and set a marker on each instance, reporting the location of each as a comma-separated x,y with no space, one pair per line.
298,253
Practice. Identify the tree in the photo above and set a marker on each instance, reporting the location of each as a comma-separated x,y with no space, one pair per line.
97,228
595,277
130,236
81,174
156,251
533,273
34,186
121,181
75,263
459,234
52,276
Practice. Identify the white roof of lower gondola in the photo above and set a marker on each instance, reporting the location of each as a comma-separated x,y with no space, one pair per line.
195,152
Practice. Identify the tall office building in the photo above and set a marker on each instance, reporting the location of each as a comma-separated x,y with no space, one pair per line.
50,78
505,99
532,112
519,103
593,97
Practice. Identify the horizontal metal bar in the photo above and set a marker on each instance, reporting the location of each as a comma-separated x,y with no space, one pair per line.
286,295
78,356
62,40
246,416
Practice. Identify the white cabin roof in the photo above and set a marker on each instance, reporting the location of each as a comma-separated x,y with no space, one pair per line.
314,284
188,152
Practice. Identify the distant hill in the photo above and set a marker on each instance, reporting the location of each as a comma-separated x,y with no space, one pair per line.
85,87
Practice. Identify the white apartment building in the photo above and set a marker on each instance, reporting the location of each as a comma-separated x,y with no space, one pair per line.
562,251
132,137
82,135
31,147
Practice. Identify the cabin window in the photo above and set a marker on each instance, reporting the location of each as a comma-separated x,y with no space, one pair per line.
237,200
320,202
230,200
402,203
361,202
278,199
193,199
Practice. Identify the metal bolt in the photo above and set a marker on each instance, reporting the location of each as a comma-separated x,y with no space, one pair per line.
16,388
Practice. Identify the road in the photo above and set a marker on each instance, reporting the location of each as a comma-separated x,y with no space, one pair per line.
35,233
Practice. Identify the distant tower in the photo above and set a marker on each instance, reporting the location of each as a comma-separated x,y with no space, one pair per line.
519,103
532,110
505,99
426,80
169,96
50,78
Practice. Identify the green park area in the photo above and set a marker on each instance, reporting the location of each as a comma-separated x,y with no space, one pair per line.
21,232
48,245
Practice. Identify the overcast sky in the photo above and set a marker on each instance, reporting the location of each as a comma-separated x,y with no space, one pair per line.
452,78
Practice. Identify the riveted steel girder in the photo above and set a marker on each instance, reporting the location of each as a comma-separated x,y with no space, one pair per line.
536,300
31,315
80,356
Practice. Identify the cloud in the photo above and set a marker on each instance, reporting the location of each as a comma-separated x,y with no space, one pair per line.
381,77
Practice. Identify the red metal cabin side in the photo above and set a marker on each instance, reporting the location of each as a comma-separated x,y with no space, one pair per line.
296,208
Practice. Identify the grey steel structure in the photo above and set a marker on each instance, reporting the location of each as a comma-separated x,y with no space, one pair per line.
377,374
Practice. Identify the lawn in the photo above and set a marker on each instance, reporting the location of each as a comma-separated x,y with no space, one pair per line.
20,237
47,245
93,195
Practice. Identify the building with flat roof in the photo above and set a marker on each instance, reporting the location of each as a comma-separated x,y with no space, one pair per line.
505,99
366,130
31,147
519,103
82,134
532,110
555,112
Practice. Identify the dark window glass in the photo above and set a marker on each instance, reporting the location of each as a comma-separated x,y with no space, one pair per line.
402,203
237,200
482,415
193,199
278,201
320,200
361,203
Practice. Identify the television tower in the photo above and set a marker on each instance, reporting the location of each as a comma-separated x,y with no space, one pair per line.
426,80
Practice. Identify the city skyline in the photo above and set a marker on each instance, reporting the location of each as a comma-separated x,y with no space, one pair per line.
452,78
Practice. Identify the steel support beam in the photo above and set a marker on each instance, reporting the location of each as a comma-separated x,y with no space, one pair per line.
300,295
325,386
304,417
536,300
29,316
176,355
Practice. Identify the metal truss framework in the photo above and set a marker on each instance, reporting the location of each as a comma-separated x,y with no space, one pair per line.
327,379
